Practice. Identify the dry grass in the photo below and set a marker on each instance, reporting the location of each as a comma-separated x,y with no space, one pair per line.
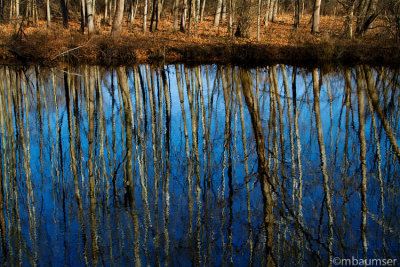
279,43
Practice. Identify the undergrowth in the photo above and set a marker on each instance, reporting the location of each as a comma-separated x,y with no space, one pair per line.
279,44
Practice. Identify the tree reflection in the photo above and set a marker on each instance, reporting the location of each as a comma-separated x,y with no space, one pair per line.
205,165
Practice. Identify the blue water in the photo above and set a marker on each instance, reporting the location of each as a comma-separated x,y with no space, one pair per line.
205,223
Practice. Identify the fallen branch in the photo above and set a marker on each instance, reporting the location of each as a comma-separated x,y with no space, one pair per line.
70,50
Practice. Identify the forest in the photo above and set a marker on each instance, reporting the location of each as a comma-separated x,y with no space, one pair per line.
199,132
113,32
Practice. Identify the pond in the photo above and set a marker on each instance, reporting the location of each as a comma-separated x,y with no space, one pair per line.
206,166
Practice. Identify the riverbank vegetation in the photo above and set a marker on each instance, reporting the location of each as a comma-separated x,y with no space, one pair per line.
114,32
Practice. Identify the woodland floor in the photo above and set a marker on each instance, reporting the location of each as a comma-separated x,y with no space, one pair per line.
279,44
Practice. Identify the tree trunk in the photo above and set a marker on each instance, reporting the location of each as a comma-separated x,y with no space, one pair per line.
64,10
48,15
297,14
231,16
89,16
28,11
271,11
267,12
258,20
176,15
160,5
17,10
154,16
93,10
145,16
117,21
302,8
113,5
198,10
203,5
83,15
349,21
106,11
132,11
366,14
35,12
192,16
1,10
217,16
244,21
11,9
223,13
275,10
184,15
315,19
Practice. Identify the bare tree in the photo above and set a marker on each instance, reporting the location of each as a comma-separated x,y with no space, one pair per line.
192,15
31,13
315,16
270,12
297,14
89,16
176,15
14,10
117,21
83,15
366,14
154,16
217,16
231,16
1,10
64,10
348,6
203,5
132,10
184,15
145,16
393,18
244,20
258,20
48,15
106,11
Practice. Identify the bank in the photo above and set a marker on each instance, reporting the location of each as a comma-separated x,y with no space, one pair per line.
38,45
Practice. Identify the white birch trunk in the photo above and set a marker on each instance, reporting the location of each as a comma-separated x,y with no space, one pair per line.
316,13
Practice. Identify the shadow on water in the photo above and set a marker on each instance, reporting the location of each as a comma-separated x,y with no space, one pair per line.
207,165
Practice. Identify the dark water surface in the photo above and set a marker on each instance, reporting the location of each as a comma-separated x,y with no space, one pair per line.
203,166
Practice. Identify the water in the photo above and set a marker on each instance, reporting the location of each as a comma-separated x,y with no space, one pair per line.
208,165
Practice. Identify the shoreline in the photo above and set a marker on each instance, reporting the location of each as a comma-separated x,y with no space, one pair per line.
42,46
237,54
